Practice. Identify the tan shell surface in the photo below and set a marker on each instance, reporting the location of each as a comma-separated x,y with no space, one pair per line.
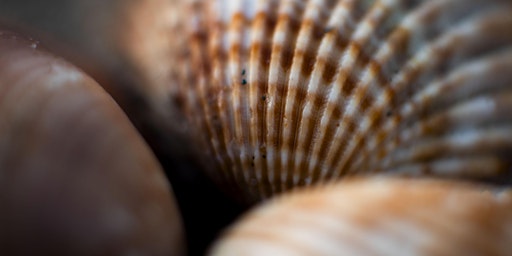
290,93
377,217
75,176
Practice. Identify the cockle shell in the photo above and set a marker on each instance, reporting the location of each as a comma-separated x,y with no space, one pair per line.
377,217
75,176
289,93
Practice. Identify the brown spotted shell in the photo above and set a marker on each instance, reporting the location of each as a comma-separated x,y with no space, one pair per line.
377,217
75,176
289,93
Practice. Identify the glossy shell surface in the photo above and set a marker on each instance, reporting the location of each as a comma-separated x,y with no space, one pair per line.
290,93
377,217
75,176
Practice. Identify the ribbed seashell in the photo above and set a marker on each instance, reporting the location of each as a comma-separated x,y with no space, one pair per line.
377,217
290,93
75,176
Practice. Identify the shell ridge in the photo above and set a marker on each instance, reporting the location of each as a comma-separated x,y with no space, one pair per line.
307,117
326,70
290,93
458,143
341,87
439,48
238,41
197,46
344,18
302,47
372,85
212,98
363,36
308,43
374,95
464,75
281,59
420,16
453,167
218,54
260,54
403,36
404,122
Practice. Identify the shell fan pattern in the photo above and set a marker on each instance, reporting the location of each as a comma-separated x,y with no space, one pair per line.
290,93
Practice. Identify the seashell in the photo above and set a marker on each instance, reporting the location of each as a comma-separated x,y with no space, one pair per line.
124,46
377,217
75,177
290,93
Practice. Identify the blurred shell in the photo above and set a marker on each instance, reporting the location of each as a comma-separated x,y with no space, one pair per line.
75,177
124,46
377,217
121,43
290,93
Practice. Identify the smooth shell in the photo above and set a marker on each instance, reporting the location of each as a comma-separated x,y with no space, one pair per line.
123,44
377,217
75,177
290,93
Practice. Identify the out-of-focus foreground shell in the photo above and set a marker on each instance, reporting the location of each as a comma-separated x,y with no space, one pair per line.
377,217
292,92
75,177
123,38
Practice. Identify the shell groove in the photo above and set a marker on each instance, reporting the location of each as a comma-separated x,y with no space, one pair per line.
290,93
377,217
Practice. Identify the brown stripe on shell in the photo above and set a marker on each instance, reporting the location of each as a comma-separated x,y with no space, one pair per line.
362,44
444,58
320,85
283,47
309,40
196,41
364,217
308,91
238,29
218,56
419,109
431,35
262,30
202,75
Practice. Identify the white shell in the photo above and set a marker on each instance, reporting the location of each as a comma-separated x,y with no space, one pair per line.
290,93
377,217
